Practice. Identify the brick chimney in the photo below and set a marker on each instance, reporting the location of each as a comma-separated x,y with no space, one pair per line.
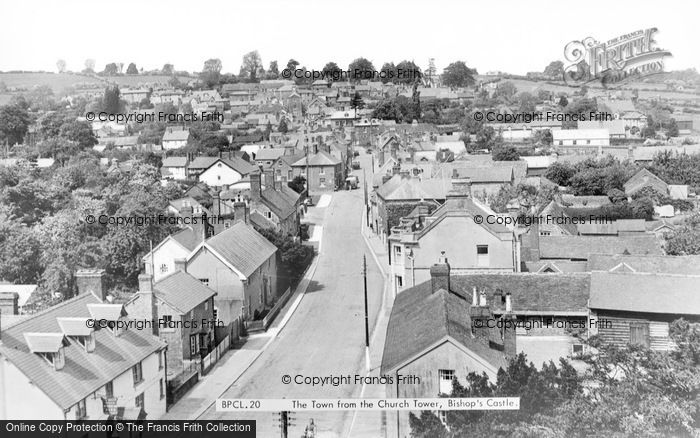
241,211
92,281
255,188
440,274
147,306
216,204
269,178
9,303
479,313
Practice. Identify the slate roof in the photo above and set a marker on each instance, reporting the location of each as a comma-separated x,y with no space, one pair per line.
242,247
181,135
83,373
482,174
530,292
174,162
188,238
322,158
269,154
661,264
644,292
580,247
239,165
645,178
398,188
182,291
420,318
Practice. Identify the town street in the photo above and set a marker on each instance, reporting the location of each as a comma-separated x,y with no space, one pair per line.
325,335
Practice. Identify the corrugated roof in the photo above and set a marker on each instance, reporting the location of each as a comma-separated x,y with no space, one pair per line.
242,247
648,293
84,372
182,291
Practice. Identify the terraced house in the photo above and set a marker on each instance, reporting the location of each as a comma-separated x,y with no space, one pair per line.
53,365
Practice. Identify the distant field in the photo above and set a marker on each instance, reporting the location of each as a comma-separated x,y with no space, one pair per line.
60,81
57,81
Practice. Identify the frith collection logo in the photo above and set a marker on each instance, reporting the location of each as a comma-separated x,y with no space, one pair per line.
619,60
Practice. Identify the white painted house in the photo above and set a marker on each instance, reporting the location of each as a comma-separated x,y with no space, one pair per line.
226,171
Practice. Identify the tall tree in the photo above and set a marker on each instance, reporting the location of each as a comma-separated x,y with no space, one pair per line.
388,72
168,70
292,64
89,66
331,71
132,70
361,68
408,72
111,102
211,73
458,74
555,70
251,65
273,70
14,123
111,69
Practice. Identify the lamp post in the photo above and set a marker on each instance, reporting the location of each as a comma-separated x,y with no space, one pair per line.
364,275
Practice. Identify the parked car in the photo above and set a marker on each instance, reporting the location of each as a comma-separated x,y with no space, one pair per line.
356,154
355,165
351,182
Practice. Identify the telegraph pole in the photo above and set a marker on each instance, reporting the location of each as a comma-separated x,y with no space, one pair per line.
364,275
364,180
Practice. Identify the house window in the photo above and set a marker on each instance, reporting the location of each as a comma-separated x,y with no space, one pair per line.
322,181
194,345
205,281
168,323
397,251
160,360
561,143
216,314
109,390
80,410
268,214
289,175
442,416
139,401
206,306
588,142
399,281
574,143
545,233
639,334
137,372
227,225
482,256
445,383
322,171
161,385
163,268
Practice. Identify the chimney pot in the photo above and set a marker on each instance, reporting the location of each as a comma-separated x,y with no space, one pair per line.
509,303
482,299
440,274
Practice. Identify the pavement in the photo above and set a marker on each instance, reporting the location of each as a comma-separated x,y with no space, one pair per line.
320,332
324,335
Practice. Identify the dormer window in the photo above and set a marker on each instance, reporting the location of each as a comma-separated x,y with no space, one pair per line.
49,346
107,316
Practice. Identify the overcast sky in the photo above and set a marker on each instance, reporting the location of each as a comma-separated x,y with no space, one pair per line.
512,36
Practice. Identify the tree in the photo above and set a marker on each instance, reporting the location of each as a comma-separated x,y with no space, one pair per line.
555,70
563,102
273,72
111,69
111,102
251,65
388,72
283,128
387,110
458,75
407,72
50,124
506,90
168,70
332,72
361,68
298,184
211,73
560,173
132,70
61,65
19,251
357,102
80,132
89,66
14,123
292,64
527,102
505,153
685,240
145,103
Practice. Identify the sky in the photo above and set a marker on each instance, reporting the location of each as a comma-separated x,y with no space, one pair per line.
510,36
